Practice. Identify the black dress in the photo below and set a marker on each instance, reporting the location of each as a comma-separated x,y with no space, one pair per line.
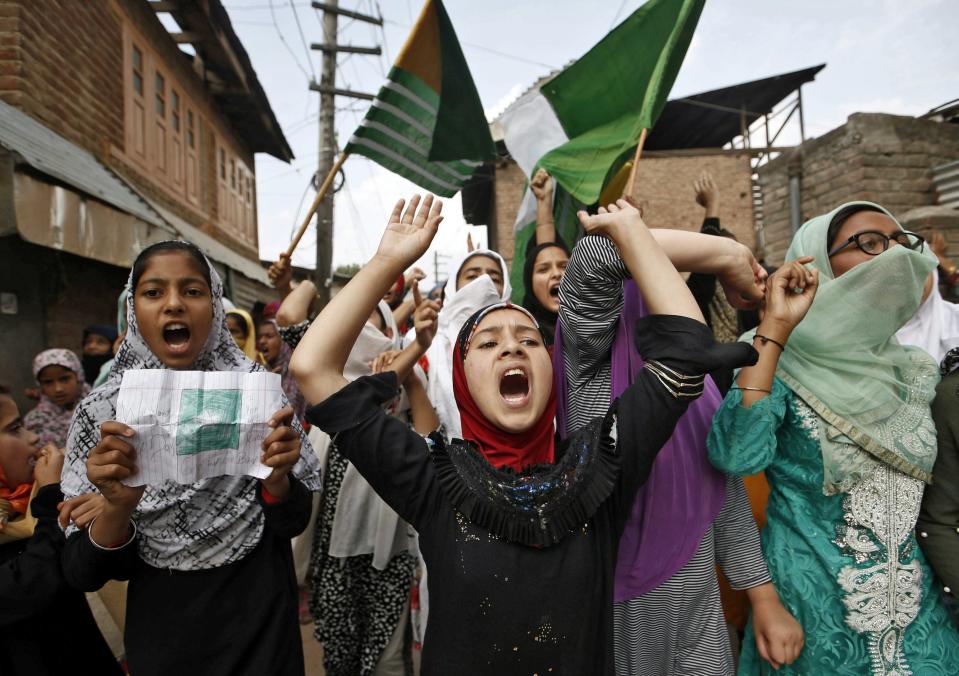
45,626
521,565
237,619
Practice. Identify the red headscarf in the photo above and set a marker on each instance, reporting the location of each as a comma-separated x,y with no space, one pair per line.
501,449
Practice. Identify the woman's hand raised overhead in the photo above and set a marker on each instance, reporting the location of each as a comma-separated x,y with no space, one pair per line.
409,233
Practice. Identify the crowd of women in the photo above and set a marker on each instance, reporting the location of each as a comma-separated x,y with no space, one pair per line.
569,485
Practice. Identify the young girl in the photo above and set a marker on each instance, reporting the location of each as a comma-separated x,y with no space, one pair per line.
46,628
211,588
276,355
243,330
59,374
837,414
519,534
475,281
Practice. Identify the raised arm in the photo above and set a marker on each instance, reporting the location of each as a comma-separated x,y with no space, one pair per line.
660,284
784,309
317,364
542,187
295,308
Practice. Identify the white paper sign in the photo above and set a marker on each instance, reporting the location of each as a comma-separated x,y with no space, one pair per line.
193,425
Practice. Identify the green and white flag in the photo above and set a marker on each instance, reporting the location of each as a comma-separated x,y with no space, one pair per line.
585,119
427,123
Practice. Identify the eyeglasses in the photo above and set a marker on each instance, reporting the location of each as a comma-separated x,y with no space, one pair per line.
873,243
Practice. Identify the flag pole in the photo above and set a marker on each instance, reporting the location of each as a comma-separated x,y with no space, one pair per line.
631,182
320,194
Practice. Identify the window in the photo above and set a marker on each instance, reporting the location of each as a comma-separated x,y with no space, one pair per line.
160,96
137,70
233,174
175,111
190,134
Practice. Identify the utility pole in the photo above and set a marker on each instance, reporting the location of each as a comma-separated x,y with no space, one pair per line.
327,137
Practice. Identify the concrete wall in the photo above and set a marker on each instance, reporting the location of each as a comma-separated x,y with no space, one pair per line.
664,188
877,157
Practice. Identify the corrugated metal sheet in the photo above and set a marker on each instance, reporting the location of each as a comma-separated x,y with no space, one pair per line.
946,179
53,155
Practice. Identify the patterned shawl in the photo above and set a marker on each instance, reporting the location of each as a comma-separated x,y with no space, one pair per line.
207,524
48,419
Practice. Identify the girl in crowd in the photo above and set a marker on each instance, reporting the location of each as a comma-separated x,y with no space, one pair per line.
210,568
519,533
46,628
276,355
475,281
243,330
97,349
59,374
837,413
545,262
668,617
363,555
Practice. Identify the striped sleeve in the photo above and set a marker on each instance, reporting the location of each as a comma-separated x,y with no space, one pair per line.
738,548
591,301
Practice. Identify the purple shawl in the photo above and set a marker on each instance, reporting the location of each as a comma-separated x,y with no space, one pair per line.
684,493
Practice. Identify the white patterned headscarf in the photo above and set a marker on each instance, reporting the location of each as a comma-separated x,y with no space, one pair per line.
203,525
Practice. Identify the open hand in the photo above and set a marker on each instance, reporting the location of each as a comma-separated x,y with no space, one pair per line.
611,221
425,317
112,460
542,186
81,509
779,637
707,194
409,233
744,283
790,293
281,450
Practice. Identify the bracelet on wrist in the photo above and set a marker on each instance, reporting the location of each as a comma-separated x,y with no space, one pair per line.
751,389
113,546
766,339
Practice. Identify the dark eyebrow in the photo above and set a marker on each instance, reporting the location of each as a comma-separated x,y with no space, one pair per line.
13,423
193,280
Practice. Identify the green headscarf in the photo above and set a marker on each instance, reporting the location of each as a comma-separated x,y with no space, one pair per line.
871,393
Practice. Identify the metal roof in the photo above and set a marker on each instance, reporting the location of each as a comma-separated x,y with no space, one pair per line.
51,154
714,118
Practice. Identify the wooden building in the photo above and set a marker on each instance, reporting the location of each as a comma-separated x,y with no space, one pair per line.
115,132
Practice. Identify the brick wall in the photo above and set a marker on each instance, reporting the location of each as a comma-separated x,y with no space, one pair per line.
877,157
61,62
664,189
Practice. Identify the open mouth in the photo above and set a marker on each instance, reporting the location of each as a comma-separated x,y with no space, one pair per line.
514,387
176,336
554,291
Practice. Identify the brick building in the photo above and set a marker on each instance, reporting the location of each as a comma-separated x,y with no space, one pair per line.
888,159
693,134
116,132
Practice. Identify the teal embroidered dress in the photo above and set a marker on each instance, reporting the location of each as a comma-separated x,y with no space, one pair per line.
847,566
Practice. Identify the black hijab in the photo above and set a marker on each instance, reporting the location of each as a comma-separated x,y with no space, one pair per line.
545,317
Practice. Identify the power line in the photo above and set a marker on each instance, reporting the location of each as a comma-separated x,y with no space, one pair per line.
306,48
285,44
487,49
616,15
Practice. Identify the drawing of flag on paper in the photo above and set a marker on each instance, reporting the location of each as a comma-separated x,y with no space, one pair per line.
193,425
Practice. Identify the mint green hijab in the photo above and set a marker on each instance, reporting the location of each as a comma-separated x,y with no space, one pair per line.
871,394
